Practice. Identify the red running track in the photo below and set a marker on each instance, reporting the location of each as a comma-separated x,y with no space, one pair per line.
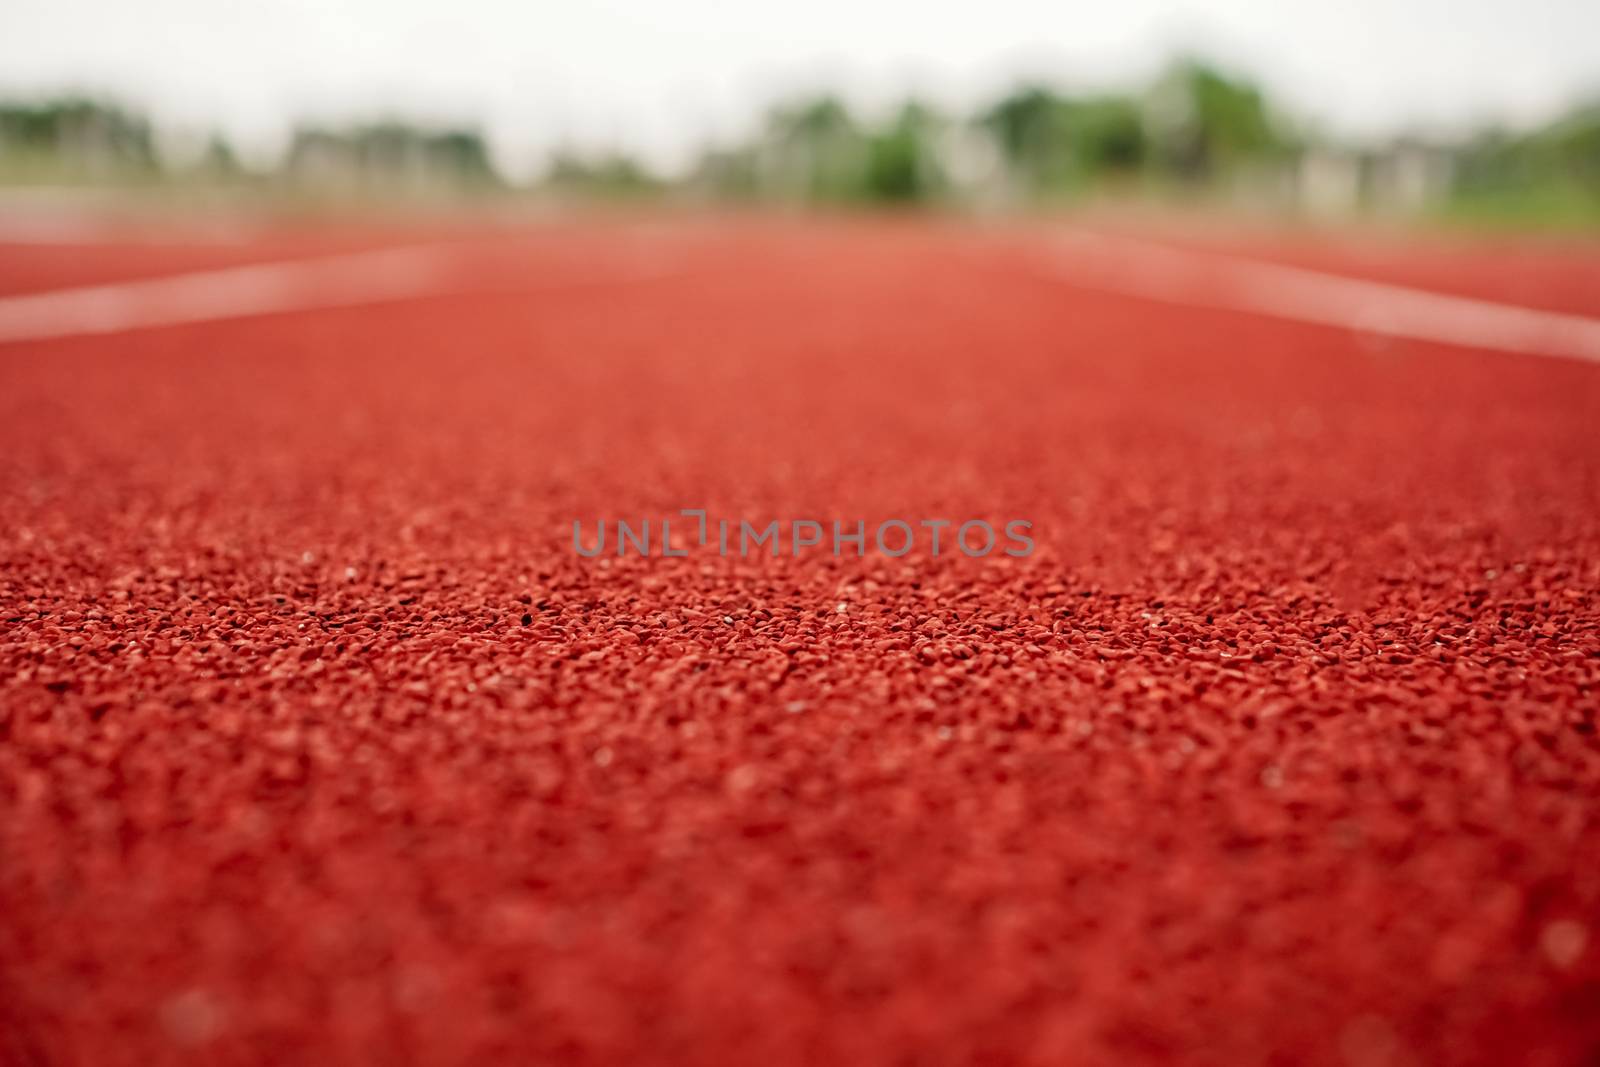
320,744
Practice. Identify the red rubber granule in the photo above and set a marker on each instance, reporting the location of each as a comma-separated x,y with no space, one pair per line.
320,744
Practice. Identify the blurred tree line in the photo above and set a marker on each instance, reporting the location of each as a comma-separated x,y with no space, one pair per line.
388,156
1195,126
77,135
1195,129
1548,174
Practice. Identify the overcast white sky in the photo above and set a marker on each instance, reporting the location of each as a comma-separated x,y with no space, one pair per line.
663,76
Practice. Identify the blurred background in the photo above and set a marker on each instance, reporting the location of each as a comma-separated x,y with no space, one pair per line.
1479,111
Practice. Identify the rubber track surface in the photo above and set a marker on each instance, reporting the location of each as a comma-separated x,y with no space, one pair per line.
319,744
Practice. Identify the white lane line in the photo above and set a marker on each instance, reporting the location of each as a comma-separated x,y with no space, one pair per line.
45,227
1133,267
227,292
333,281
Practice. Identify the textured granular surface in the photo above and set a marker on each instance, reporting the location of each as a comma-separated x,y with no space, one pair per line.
319,742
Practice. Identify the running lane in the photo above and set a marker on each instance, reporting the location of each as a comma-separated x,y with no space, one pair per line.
321,744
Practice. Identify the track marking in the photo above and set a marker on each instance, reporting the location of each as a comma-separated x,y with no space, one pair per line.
227,293
1133,267
332,281
44,227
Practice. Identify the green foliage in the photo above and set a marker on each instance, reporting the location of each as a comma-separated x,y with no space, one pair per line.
1567,152
902,164
1108,135
1032,130
1546,177
76,137
728,174
392,154
814,150
1204,124
1195,127
1055,143
613,175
